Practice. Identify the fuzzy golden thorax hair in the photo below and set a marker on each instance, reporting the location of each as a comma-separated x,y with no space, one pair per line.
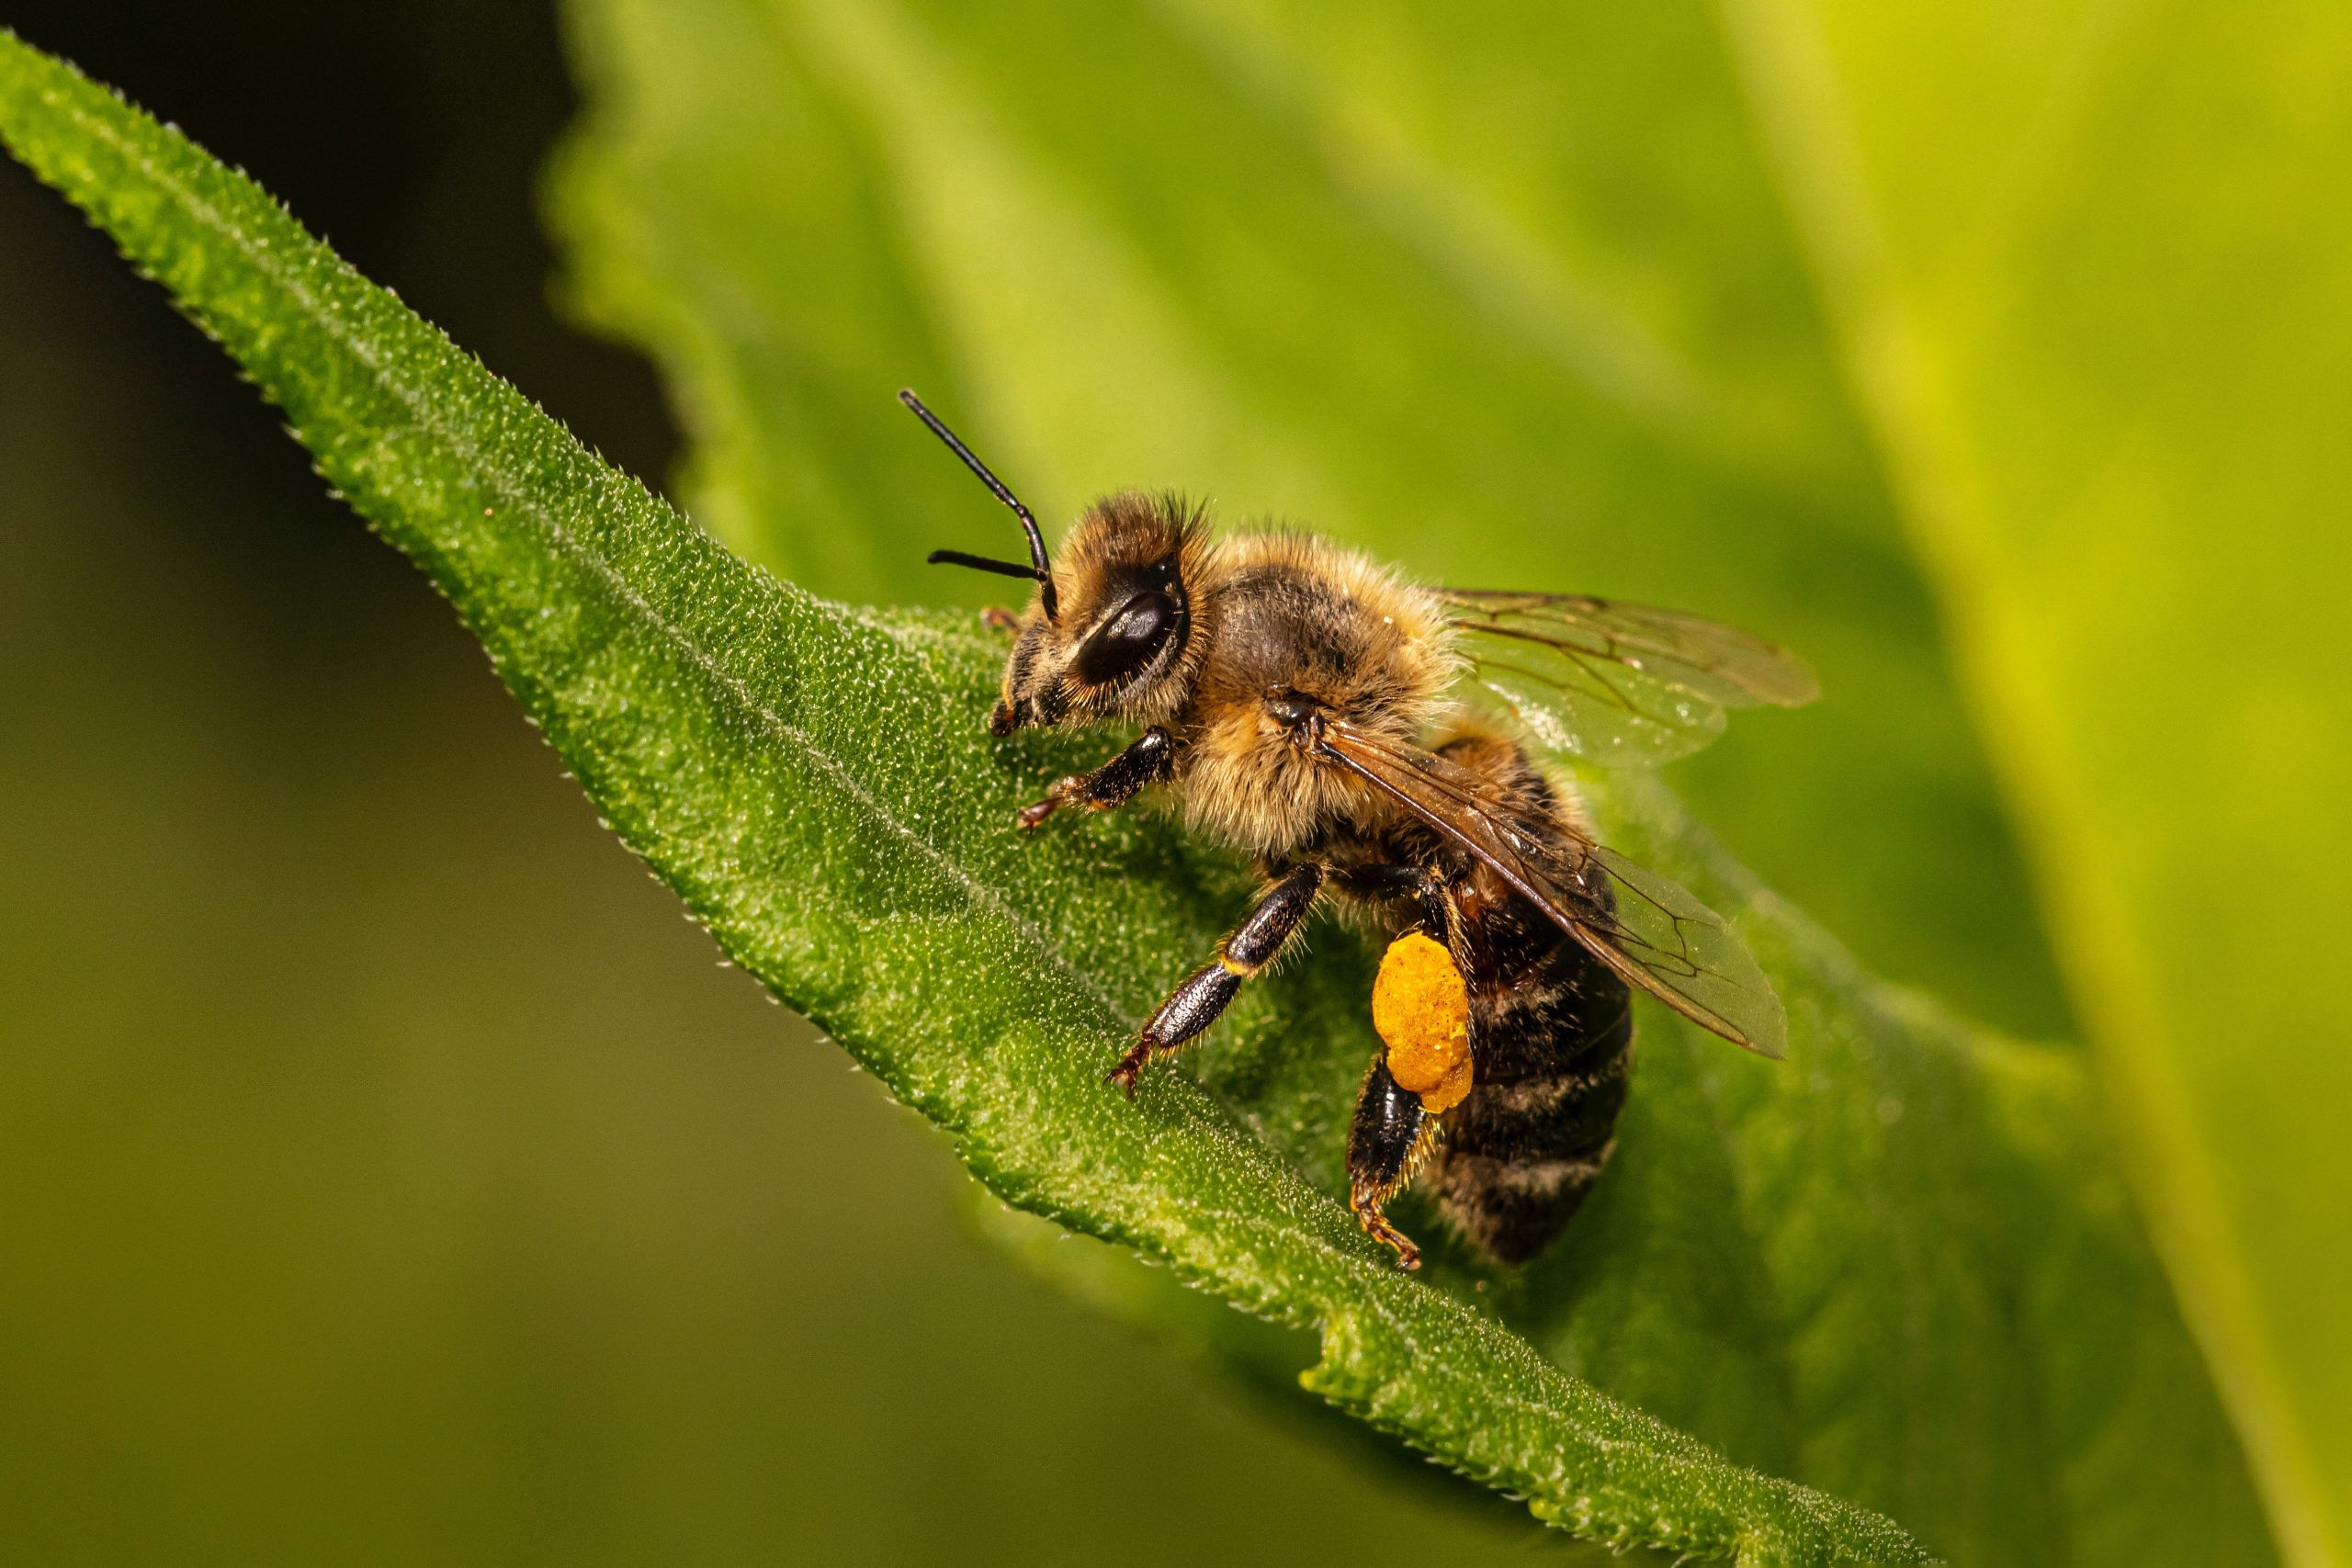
1297,616
1157,622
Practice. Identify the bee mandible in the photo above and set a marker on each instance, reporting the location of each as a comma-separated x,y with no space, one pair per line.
1367,739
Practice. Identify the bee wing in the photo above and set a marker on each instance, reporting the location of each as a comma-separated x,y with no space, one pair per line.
1651,933
1610,683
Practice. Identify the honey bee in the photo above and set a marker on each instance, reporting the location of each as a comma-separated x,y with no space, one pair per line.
1376,742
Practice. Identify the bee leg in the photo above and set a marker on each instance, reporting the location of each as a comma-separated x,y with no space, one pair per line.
1389,1138
997,619
1195,1004
1149,760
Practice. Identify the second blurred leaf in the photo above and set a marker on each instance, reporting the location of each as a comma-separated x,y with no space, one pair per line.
1504,295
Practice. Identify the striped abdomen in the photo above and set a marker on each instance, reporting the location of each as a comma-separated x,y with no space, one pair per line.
1551,1038
1551,1035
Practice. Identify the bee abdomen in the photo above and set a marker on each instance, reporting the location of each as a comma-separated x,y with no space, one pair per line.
1526,1145
1511,1209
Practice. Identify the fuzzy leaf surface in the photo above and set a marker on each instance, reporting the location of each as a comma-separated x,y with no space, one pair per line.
807,778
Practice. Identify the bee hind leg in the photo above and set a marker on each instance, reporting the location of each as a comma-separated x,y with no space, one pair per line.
1198,1002
1388,1142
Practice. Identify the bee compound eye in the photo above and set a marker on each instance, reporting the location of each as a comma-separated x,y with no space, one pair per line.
1129,640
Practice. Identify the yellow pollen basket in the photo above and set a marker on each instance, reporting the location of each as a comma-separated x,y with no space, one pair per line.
1422,1010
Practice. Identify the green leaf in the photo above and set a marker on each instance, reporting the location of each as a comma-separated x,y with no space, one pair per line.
1898,1260
807,778
2090,265
1500,291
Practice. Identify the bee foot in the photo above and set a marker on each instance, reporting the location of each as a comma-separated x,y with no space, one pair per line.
1061,795
1124,1075
1409,1257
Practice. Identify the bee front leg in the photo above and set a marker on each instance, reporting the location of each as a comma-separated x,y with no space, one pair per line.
1256,942
1149,761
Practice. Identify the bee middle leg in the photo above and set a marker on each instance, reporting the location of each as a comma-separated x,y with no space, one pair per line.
1151,759
1196,1004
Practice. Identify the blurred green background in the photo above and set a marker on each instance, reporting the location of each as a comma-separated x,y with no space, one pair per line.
387,1171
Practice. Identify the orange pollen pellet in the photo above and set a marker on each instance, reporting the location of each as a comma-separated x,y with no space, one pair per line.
1422,1010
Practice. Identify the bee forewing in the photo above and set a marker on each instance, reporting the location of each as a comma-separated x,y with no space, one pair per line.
1652,932
1663,939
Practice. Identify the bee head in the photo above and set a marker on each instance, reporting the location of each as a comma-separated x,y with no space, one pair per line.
1108,634
1102,638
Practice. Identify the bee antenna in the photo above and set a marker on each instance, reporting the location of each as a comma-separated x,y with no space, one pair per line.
1039,568
981,563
